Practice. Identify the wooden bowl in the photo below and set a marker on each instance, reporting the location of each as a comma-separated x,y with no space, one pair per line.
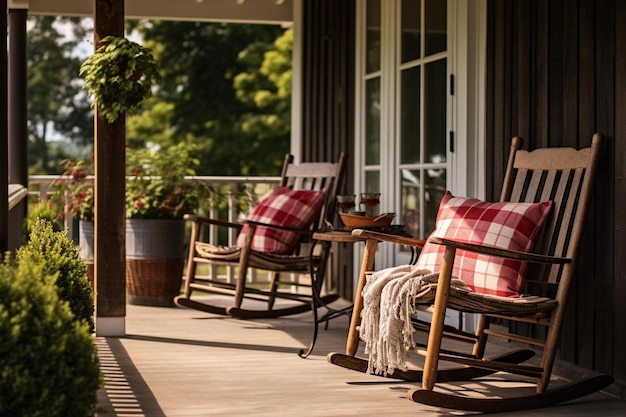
355,221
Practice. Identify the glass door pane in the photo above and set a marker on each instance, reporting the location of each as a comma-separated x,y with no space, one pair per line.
411,30
422,109
410,114
372,121
372,97
372,55
436,26
435,111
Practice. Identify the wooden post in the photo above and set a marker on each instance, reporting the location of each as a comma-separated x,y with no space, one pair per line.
109,156
4,138
18,108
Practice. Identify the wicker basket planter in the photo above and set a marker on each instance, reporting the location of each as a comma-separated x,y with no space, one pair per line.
154,260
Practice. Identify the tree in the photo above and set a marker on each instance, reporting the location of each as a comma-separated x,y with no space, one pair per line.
56,101
266,88
197,101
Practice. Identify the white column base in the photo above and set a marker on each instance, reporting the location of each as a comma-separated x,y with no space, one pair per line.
111,326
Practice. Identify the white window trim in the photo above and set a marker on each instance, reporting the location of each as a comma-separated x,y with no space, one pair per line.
467,21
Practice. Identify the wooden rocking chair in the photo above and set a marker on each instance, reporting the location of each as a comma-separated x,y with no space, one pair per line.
303,202
564,176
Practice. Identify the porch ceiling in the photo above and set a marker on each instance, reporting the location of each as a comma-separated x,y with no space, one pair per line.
241,11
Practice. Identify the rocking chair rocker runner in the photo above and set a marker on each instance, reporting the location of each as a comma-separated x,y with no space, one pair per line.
563,176
271,239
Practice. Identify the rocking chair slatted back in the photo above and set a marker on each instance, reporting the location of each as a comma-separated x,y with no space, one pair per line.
566,183
316,176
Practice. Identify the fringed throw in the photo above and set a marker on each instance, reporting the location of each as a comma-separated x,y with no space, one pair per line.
388,304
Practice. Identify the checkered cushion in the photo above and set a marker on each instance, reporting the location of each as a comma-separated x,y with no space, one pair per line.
513,226
284,207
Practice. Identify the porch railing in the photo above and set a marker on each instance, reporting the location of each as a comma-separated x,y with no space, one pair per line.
17,205
224,203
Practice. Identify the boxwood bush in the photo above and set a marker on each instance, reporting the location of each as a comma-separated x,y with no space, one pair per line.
47,210
57,253
48,361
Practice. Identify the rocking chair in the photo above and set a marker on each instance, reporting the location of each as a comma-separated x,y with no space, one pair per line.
274,238
561,177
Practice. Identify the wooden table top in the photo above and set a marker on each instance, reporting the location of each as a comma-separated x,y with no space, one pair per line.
337,236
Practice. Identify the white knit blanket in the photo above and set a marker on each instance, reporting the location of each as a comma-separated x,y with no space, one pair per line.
388,304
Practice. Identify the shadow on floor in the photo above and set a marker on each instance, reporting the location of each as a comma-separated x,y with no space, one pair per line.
125,392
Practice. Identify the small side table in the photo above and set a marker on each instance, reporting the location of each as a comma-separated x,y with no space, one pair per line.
367,264
327,238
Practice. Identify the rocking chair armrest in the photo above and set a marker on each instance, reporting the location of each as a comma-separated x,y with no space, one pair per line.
502,253
208,220
387,237
308,232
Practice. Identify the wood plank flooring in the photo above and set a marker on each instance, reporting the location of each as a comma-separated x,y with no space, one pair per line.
178,362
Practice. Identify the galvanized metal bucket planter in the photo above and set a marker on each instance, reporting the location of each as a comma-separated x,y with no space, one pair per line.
154,260
85,240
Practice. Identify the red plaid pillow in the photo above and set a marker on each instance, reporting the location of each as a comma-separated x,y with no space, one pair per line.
284,207
513,226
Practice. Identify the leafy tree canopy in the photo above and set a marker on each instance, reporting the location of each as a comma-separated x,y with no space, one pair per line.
56,101
222,88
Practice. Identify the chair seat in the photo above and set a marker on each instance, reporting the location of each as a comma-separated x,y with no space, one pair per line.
471,302
261,260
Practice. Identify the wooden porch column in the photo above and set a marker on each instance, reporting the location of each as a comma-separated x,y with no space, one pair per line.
4,139
109,155
18,109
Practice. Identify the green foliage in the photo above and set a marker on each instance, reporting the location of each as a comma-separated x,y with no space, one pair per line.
267,87
119,75
56,103
156,187
154,122
48,361
199,63
58,256
47,210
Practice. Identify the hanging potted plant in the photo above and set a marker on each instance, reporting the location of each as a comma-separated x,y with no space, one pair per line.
119,76
157,198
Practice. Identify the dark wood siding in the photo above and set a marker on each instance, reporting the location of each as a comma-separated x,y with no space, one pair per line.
557,74
328,78
328,101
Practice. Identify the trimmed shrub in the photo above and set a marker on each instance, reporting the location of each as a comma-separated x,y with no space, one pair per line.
48,361
57,253
47,210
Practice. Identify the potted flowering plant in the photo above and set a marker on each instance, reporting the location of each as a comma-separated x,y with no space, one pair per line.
77,180
157,198
156,187
75,189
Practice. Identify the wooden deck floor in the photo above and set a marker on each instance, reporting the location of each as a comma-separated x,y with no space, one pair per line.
180,362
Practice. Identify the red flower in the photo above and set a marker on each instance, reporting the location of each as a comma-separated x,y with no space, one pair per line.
78,174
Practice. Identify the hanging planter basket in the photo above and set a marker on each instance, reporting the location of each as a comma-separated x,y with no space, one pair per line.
119,75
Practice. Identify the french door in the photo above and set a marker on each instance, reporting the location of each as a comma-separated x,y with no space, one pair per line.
402,112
